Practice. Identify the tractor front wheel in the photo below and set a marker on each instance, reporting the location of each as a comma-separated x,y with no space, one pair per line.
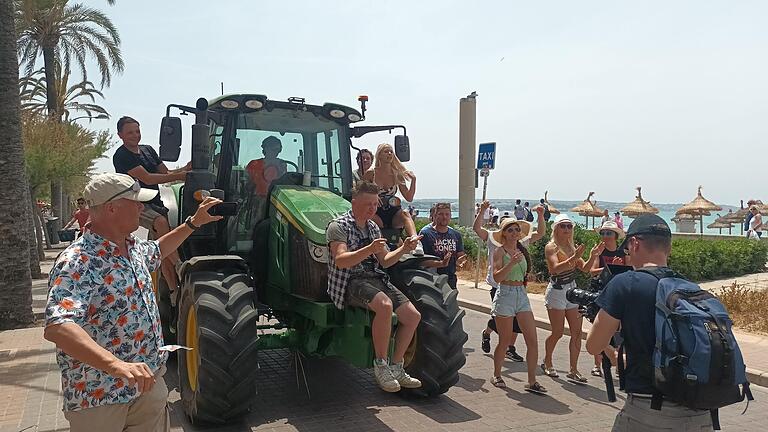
437,351
217,318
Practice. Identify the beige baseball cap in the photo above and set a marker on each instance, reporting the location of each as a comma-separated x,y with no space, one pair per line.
112,186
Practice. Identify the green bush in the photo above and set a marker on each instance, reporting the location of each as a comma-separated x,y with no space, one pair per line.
701,260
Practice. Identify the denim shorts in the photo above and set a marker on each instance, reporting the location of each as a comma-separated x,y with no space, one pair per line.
509,301
554,298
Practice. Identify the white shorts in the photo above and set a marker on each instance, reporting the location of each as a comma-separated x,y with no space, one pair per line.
554,298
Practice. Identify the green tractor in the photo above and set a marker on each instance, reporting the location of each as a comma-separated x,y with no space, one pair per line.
257,279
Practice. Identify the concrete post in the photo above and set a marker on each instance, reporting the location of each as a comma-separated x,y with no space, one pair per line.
467,159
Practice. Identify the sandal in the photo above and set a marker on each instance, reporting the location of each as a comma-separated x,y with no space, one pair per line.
597,372
576,377
535,388
498,382
550,372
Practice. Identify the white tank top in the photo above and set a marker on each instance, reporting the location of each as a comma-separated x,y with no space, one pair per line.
755,221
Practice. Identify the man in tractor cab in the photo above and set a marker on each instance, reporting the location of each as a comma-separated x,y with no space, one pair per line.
142,163
269,168
356,278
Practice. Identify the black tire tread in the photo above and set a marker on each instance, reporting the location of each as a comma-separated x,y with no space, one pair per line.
440,335
228,354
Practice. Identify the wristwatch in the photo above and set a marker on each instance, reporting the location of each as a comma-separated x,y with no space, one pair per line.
188,222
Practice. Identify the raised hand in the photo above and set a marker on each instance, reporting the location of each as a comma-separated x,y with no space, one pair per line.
378,246
410,243
597,249
446,259
579,251
202,216
484,206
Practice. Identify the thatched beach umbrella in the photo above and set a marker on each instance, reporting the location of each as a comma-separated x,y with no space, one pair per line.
700,207
551,208
587,208
737,217
720,223
639,206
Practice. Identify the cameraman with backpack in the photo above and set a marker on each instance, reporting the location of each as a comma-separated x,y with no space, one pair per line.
665,394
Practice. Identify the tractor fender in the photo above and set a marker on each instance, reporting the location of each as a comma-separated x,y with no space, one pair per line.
212,263
168,197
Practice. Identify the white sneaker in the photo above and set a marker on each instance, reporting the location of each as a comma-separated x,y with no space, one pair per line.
384,376
402,377
419,250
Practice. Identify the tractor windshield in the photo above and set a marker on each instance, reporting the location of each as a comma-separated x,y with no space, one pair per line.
269,144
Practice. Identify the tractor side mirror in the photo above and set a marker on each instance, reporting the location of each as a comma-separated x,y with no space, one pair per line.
170,139
402,148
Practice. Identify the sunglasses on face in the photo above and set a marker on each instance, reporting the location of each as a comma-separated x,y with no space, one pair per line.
607,233
513,228
566,226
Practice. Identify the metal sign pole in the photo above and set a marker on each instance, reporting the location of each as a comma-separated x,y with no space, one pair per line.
484,173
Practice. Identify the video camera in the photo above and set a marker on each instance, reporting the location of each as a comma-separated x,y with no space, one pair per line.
585,297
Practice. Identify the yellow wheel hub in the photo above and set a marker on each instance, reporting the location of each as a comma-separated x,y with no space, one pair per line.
190,340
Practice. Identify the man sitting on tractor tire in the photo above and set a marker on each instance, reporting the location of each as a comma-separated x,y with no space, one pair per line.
356,278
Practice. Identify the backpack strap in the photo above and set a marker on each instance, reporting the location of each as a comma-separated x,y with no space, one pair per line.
715,414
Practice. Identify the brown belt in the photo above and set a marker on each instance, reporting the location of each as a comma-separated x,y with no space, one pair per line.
512,283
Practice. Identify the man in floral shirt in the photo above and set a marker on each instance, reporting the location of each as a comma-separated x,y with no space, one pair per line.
103,317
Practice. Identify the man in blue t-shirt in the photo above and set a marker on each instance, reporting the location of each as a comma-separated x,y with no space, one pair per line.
629,300
445,242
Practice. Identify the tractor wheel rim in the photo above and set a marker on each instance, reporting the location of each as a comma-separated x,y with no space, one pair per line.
190,339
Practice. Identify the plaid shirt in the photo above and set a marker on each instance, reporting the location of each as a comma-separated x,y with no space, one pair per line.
338,278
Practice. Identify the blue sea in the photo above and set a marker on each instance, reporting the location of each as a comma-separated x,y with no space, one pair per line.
666,211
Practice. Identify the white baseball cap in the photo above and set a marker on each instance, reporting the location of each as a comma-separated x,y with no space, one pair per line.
111,186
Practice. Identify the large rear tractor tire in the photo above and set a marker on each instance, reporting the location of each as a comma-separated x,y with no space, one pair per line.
437,352
217,318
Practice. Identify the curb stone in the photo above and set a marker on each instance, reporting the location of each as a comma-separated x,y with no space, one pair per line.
756,377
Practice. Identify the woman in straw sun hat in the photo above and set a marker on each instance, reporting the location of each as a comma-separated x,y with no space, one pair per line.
563,260
511,265
610,234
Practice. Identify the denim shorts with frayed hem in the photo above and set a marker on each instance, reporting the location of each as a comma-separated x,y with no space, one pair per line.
509,301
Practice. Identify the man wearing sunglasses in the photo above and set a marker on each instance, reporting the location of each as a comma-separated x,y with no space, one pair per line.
142,163
102,313
629,300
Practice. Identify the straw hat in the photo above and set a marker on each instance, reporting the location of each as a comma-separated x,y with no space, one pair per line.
561,218
611,225
525,230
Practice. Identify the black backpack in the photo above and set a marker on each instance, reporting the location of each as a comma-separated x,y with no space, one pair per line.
528,215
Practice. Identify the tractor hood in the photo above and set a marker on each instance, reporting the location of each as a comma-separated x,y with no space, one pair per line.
309,209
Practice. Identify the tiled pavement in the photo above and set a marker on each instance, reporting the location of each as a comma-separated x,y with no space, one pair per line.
345,398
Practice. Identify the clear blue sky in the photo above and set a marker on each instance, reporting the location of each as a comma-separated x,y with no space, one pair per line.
580,95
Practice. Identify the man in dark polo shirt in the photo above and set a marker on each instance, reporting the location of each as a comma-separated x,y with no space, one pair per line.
629,299
143,164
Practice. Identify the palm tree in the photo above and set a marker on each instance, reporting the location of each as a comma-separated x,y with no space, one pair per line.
33,91
15,217
63,34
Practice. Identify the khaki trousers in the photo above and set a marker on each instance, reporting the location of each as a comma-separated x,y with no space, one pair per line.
637,416
148,413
